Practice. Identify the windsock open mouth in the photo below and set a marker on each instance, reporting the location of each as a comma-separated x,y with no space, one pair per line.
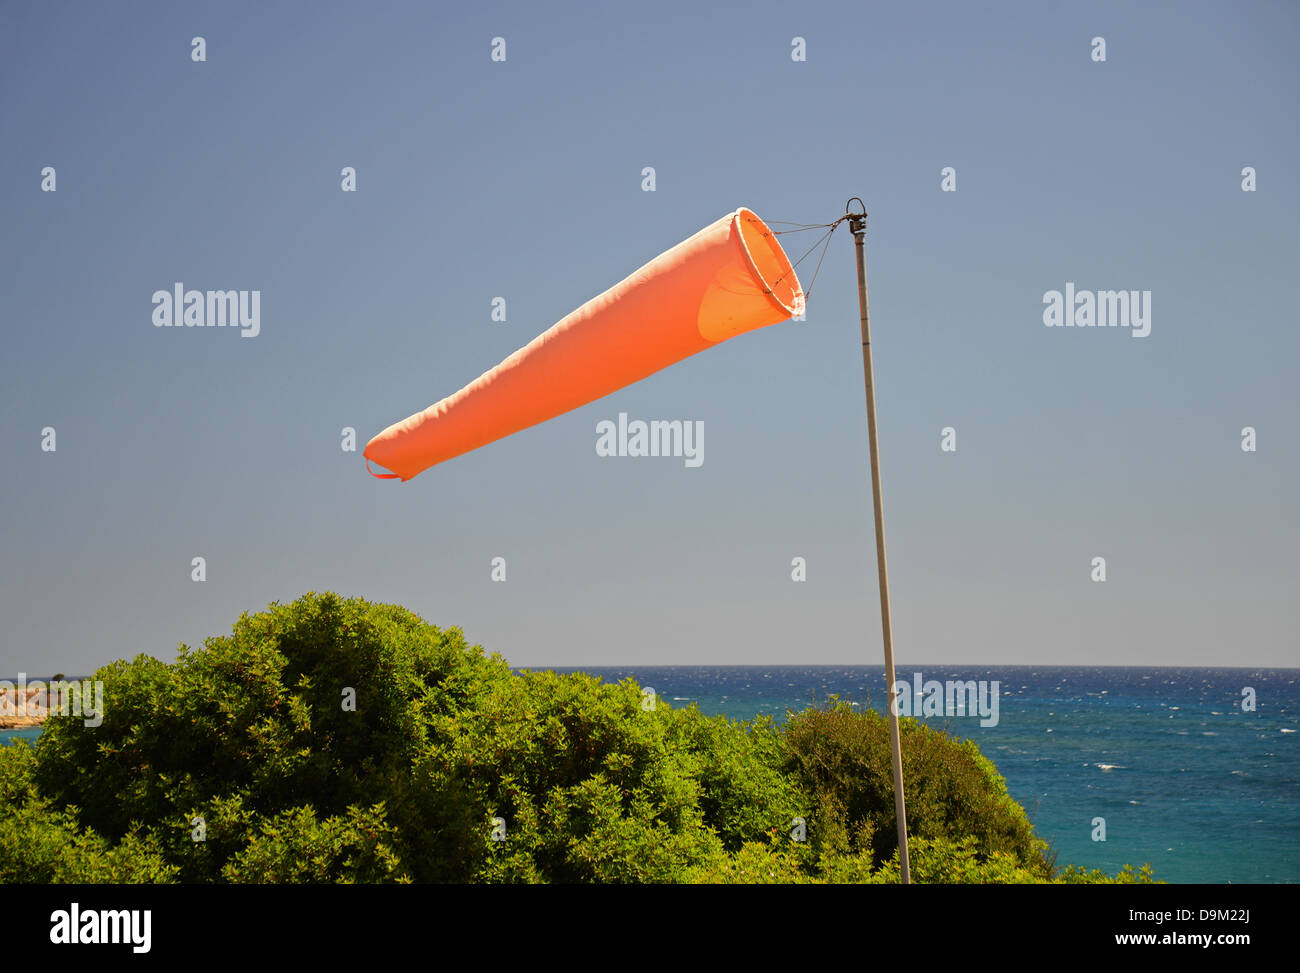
769,262
729,278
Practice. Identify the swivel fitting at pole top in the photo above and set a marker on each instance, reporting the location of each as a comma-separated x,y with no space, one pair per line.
857,221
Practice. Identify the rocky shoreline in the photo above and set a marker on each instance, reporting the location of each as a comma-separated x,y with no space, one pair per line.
19,713
20,722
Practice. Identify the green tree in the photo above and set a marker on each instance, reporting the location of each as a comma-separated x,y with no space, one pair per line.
843,758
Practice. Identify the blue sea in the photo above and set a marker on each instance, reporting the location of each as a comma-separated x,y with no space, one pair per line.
1183,776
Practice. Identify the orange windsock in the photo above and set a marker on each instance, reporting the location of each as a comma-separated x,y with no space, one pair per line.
729,278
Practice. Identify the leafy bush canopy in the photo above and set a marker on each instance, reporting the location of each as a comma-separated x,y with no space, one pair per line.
338,740
953,792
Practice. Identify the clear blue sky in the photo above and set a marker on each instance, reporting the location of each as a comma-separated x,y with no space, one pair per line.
522,179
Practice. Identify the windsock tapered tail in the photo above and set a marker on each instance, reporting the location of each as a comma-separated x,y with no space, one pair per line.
729,278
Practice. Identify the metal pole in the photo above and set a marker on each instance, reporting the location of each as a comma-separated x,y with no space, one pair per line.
858,227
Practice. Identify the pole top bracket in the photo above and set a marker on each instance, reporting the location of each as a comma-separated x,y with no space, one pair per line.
857,221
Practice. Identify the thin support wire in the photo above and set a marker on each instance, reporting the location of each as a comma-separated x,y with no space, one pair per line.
824,241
